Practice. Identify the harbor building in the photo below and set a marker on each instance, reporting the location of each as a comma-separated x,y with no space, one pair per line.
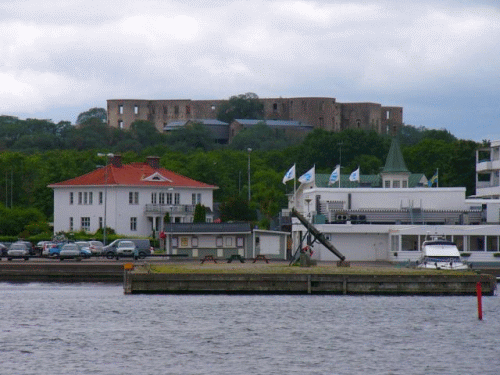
386,217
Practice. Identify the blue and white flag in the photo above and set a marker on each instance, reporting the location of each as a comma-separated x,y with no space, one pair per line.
308,176
334,177
354,176
290,175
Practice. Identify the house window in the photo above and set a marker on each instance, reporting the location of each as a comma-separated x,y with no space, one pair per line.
80,197
213,107
70,224
165,110
86,223
153,198
239,242
322,106
196,198
136,109
176,109
194,242
218,242
358,123
133,197
120,124
321,122
169,198
175,242
161,197
405,183
91,198
229,241
177,198
100,197
275,107
120,109
387,184
85,195
188,110
100,222
70,198
133,223
395,184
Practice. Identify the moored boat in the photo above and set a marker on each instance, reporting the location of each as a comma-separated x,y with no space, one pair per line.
440,254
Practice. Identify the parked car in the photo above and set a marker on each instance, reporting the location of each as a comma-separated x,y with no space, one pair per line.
84,245
144,248
96,247
18,250
53,249
29,245
126,249
73,251
3,250
40,247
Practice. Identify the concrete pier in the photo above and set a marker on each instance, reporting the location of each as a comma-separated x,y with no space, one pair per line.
352,284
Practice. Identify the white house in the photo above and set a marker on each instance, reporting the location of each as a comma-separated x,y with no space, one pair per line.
387,216
132,199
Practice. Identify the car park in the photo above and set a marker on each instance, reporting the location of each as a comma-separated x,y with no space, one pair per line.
144,248
18,250
126,249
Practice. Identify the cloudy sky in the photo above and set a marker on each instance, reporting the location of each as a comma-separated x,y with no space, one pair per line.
437,59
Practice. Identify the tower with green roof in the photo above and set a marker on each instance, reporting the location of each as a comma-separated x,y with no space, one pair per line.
395,174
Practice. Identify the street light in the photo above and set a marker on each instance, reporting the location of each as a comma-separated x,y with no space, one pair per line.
249,194
105,191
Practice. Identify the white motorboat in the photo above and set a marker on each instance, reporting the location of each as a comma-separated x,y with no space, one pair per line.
441,254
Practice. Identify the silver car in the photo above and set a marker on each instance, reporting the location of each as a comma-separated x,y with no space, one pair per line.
18,250
70,251
126,249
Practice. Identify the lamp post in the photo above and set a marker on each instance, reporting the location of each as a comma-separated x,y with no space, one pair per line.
105,192
249,194
170,237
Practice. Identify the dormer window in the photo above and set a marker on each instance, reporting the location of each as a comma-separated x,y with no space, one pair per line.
156,177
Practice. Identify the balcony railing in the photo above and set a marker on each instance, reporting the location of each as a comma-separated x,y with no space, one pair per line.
173,209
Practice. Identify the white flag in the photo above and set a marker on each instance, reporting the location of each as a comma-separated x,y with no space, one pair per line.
290,175
308,176
354,175
334,177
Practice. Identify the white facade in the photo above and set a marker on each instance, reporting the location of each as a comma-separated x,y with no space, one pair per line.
131,199
488,171
120,213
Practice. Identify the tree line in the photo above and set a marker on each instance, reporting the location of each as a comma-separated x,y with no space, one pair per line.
36,153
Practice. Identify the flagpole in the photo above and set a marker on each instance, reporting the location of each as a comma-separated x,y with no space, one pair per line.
437,174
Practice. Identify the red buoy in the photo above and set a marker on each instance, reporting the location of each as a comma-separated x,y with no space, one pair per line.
479,301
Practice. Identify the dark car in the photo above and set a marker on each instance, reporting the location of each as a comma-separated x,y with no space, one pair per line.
3,250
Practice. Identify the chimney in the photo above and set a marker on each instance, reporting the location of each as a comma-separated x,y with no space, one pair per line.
116,160
153,161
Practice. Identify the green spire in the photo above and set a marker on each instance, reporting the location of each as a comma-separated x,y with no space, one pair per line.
395,162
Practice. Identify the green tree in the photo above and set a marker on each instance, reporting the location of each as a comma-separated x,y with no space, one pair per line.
236,208
243,106
98,113
200,214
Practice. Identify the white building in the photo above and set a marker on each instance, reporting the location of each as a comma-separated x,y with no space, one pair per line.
132,199
387,216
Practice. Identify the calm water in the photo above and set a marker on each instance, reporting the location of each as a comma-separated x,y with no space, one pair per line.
96,329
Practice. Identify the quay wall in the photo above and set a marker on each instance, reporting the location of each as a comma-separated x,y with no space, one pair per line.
352,284
61,272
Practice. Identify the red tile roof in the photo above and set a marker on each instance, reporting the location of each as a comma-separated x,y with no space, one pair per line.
132,175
